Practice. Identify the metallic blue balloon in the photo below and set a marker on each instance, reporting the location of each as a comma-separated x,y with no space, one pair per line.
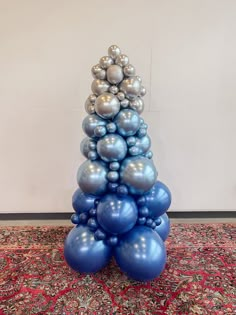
83,253
112,148
141,254
90,123
158,199
138,173
127,122
117,214
92,177
163,229
86,146
141,146
82,202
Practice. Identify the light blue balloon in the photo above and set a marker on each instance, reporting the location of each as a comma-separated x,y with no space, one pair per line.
92,177
141,254
112,148
86,145
141,146
117,214
163,229
90,123
138,173
82,202
127,122
83,253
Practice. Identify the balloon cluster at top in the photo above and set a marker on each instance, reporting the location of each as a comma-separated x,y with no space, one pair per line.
119,198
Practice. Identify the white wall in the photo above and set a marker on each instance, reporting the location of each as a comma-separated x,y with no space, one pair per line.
183,49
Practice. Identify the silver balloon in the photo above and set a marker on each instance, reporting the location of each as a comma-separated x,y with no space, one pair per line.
85,146
113,176
92,177
143,91
106,62
129,70
112,148
138,174
141,146
89,107
89,124
139,78
107,105
121,96
115,74
127,122
131,87
137,104
98,72
113,89
99,86
122,60
114,51
124,103
92,98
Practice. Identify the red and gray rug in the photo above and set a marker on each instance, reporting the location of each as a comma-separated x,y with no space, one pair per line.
200,276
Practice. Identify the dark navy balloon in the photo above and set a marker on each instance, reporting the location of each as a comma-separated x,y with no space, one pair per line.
82,202
158,199
117,214
163,229
141,254
83,253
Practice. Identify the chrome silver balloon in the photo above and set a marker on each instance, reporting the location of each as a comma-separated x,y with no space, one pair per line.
106,62
139,78
143,91
115,74
90,122
127,122
92,155
113,89
89,107
107,105
141,146
112,148
129,70
99,86
122,60
124,103
131,87
92,98
138,173
113,176
92,177
121,96
114,51
98,72
137,104
114,166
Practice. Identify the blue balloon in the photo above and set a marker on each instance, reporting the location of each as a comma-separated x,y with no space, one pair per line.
112,148
86,146
82,202
117,214
158,199
90,123
163,229
127,122
141,254
83,253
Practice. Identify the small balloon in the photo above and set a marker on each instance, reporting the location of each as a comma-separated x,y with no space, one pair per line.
121,96
124,103
128,122
92,98
141,254
105,62
114,51
100,235
131,141
122,60
93,212
129,70
92,155
112,240
163,229
99,86
143,211
89,107
98,72
142,145
92,177
113,89
142,91
112,187
82,202
107,105
92,224
100,131
115,74
83,217
89,124
75,218
85,146
114,166
149,154
83,253
137,105
112,148
138,173
111,127
131,87
113,176
122,190
117,214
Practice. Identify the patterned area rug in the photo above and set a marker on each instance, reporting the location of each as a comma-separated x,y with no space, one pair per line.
199,277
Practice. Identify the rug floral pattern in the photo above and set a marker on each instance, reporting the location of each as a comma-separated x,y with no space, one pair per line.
200,276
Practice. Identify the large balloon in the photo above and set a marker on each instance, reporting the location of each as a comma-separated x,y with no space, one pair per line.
91,177
115,74
131,87
114,51
138,173
128,122
141,254
158,199
163,229
107,105
112,148
117,214
90,123
82,202
83,253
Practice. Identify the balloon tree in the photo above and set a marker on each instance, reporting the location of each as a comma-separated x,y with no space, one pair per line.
120,207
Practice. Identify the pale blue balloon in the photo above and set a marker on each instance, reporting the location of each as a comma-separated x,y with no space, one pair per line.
141,146
112,148
90,123
127,122
138,173
92,177
86,145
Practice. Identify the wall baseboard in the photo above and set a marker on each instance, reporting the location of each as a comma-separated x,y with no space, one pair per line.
67,215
